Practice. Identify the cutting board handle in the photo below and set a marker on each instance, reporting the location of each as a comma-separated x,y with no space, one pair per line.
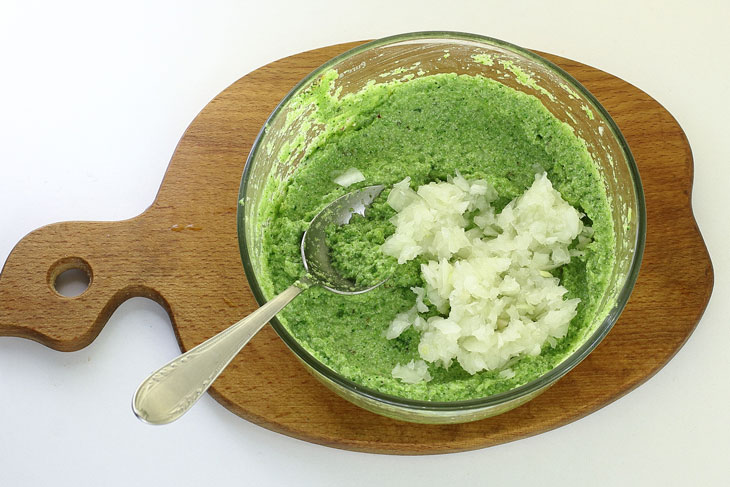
110,253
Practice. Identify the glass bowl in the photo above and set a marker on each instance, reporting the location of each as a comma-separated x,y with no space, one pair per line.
517,68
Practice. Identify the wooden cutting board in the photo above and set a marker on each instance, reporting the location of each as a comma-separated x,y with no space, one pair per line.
183,253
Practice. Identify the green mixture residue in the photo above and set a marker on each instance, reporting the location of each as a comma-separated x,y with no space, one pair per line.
426,129
484,59
588,111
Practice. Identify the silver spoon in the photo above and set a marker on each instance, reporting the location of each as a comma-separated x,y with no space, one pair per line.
168,393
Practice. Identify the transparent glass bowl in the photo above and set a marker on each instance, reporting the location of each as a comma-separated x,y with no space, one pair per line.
567,99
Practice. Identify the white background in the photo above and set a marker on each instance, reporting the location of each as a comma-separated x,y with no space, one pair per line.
93,99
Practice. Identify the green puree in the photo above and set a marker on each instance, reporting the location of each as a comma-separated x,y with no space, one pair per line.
426,128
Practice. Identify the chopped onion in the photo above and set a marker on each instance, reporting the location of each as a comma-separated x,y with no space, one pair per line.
349,177
413,372
491,286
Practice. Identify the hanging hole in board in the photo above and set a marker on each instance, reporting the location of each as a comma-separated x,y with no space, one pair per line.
70,277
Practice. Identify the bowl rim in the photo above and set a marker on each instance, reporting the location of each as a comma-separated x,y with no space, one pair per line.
550,377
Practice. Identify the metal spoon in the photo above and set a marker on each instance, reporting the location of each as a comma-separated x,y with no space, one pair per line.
168,393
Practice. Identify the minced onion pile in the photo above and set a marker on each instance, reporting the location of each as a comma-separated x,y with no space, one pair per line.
487,274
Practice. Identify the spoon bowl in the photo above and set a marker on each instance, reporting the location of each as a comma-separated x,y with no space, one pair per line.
316,254
172,390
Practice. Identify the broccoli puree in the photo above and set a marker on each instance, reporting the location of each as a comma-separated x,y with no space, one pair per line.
425,128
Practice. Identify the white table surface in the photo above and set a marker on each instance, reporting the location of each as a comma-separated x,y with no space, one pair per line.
94,97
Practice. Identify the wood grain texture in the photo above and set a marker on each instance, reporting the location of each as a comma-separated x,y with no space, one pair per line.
183,253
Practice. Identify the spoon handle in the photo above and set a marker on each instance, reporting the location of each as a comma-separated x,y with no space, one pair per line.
168,393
